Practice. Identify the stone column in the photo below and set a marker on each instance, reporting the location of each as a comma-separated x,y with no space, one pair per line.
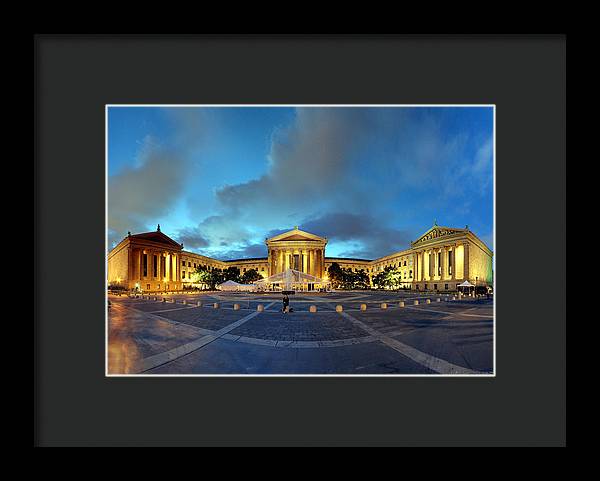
318,272
176,267
444,255
466,261
415,266
321,262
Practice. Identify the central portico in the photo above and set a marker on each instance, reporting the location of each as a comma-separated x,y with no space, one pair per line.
297,250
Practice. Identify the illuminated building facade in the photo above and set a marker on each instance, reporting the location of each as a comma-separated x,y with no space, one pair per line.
437,261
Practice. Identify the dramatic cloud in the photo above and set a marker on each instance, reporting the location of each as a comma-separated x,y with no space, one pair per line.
151,186
370,237
192,238
139,195
249,251
308,161
369,179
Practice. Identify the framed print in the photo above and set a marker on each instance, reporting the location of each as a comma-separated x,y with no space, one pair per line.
299,240
345,293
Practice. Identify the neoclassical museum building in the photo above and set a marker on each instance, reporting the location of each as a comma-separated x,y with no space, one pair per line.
438,260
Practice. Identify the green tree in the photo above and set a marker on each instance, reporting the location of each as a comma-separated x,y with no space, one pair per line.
336,275
379,280
362,280
231,274
201,276
217,277
251,276
389,278
210,278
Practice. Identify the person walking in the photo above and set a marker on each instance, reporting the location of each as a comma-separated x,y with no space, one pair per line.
286,303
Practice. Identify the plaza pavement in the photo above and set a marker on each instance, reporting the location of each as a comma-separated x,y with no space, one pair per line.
449,337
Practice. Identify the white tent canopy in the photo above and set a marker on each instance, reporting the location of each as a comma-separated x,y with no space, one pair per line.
235,286
291,278
466,284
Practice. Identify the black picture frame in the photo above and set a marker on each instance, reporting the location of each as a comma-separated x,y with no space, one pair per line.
76,75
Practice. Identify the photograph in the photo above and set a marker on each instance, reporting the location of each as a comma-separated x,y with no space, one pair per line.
300,240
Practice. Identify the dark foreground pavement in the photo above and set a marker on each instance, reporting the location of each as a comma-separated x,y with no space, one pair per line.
448,337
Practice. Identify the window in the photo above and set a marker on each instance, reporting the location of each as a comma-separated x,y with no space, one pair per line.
194,265
147,287
183,263
450,262
439,263
404,262
189,264
410,273
145,265
435,287
446,286
154,266
183,274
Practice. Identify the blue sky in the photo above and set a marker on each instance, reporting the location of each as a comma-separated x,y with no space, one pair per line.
222,179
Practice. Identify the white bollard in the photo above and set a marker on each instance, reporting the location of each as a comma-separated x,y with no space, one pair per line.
236,307
383,305
338,308
312,309
199,303
453,298
363,307
416,302
428,301
216,305
401,304
438,300
260,308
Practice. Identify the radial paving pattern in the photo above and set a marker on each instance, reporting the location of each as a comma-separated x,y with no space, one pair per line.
445,337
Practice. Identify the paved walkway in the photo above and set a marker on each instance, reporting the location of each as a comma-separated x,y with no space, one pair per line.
446,337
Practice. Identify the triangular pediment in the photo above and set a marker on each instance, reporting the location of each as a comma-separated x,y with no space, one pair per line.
296,235
436,232
157,237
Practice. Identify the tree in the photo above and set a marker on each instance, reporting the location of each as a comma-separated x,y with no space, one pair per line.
231,274
251,276
362,280
202,276
208,277
389,278
336,275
